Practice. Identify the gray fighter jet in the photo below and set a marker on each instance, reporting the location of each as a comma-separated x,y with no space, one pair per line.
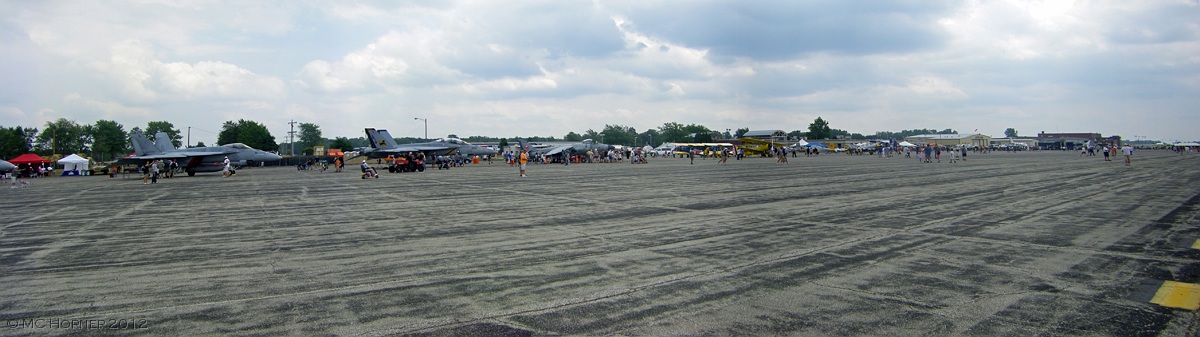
556,152
383,145
197,159
7,166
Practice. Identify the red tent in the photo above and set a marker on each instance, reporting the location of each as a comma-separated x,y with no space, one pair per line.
28,158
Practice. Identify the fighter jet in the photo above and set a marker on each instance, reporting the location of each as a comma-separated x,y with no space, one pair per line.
569,150
383,145
7,166
197,159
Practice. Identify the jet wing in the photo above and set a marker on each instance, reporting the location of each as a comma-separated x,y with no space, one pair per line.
172,155
402,149
557,150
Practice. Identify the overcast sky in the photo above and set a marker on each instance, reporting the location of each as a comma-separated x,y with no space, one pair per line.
522,68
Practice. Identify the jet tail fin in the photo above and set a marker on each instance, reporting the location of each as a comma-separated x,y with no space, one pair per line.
162,142
386,138
374,139
523,144
142,145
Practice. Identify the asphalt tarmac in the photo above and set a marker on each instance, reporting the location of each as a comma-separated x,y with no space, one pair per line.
1002,244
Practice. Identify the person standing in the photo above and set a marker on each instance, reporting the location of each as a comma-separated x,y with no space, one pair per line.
145,170
154,171
522,159
1128,151
227,171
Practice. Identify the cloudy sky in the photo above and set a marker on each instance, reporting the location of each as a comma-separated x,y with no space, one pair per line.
521,68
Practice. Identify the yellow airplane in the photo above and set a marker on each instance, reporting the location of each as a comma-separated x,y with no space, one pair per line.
754,147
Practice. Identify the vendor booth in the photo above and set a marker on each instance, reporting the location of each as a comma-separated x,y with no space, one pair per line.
74,165
28,164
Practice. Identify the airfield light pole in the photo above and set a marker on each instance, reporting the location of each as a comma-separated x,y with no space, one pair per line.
426,120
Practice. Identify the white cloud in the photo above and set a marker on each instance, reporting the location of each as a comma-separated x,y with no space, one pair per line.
110,110
133,65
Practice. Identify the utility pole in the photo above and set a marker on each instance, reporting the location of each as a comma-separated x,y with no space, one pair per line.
292,138
426,120
189,144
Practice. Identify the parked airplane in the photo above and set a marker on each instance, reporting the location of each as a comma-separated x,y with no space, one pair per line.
196,159
383,145
753,147
7,166
569,149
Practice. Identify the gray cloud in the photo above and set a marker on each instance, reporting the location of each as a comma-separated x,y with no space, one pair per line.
776,30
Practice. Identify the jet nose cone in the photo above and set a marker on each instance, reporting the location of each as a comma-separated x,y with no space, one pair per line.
272,156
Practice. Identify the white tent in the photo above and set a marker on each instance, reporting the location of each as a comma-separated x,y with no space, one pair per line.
907,144
801,143
73,165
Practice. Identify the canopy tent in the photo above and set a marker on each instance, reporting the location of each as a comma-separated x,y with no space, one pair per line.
1188,144
907,144
73,165
28,159
801,143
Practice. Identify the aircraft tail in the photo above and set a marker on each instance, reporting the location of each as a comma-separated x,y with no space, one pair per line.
387,138
162,142
141,145
380,139
523,144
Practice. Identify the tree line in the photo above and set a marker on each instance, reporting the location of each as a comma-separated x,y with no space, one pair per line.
107,140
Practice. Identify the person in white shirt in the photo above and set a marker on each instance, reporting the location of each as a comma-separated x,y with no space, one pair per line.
228,171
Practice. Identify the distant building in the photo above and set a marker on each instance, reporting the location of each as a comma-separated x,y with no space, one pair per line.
1087,135
1074,140
953,139
767,135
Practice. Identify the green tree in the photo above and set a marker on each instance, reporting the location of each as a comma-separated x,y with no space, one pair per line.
674,133
819,129
650,137
154,127
199,144
503,143
698,133
63,136
618,134
310,135
251,133
573,137
796,134
341,143
740,133
591,134
1010,132
16,141
109,140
